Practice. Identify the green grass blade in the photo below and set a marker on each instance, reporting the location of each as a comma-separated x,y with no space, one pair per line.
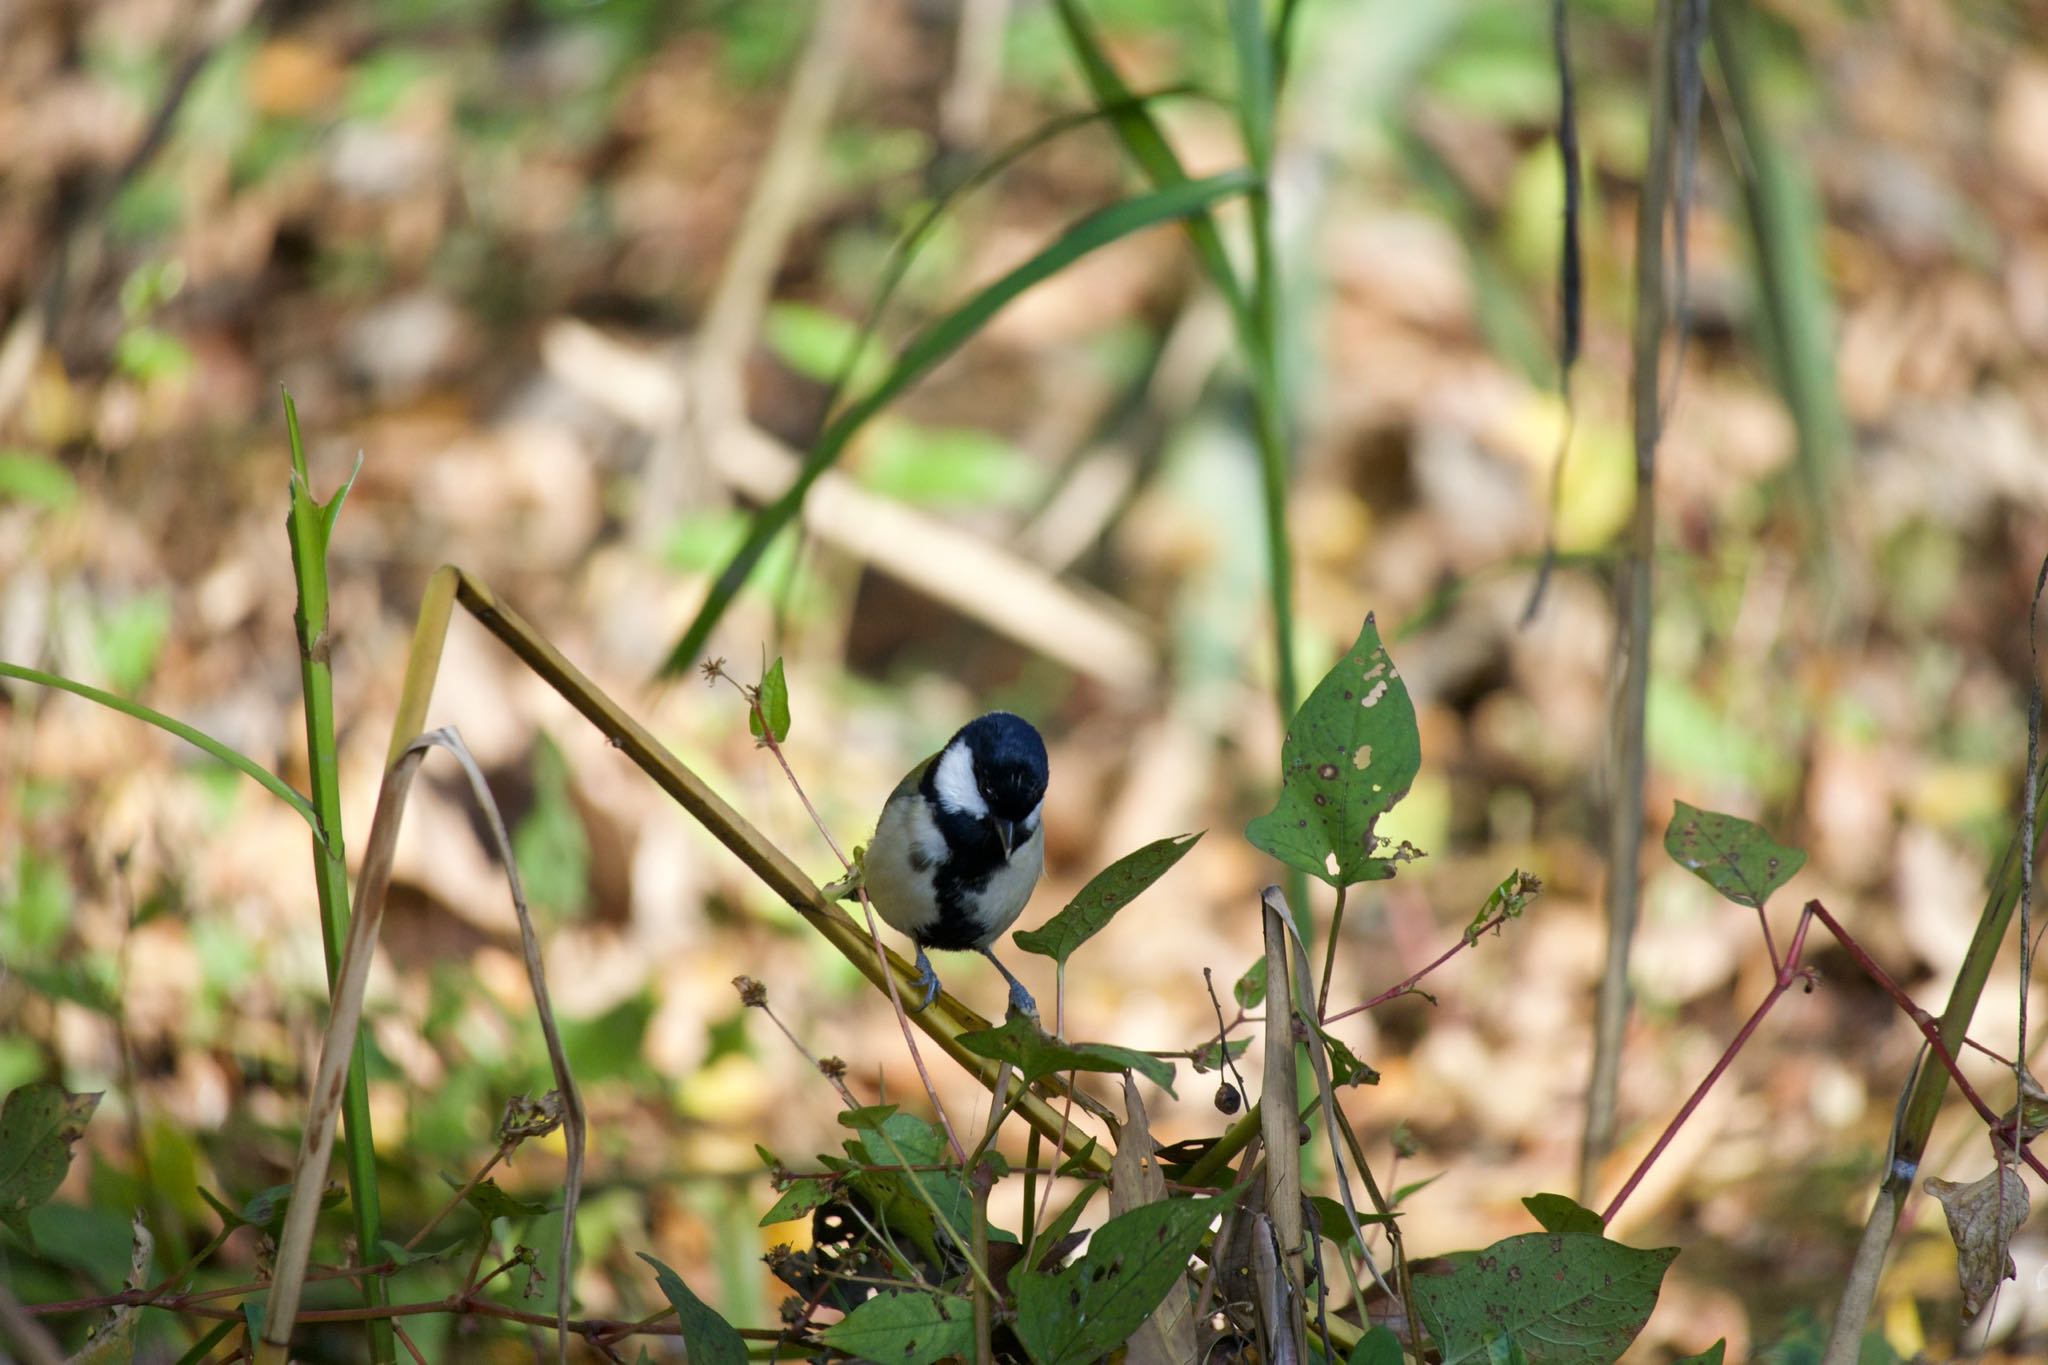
1254,51
904,252
926,350
1148,147
309,525
198,739
1785,225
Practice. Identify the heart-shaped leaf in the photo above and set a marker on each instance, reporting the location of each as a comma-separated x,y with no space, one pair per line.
1730,854
1351,752
1564,1298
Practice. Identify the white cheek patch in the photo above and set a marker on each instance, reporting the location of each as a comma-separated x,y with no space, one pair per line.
955,784
1030,822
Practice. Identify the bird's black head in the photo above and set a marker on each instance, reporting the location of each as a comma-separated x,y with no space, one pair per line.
994,770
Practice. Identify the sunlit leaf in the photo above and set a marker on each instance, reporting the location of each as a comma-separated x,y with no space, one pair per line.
1109,891
1351,752
1081,1313
1557,1213
774,704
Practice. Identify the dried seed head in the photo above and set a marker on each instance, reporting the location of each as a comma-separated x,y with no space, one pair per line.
834,1068
753,994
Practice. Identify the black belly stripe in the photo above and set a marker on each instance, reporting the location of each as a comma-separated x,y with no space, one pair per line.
974,856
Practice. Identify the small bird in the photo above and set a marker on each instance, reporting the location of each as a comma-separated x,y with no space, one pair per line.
960,845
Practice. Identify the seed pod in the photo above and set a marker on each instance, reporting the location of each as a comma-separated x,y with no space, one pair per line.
1228,1101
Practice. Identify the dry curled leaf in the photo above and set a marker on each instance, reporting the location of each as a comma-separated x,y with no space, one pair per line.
1981,1218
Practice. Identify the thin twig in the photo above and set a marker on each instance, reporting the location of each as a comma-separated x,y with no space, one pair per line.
768,742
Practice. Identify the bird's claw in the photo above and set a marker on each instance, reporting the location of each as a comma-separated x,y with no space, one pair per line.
1020,999
927,984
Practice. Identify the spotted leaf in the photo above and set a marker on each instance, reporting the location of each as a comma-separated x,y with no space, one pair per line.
1351,752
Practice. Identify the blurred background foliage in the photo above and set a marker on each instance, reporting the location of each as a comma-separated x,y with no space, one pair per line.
480,239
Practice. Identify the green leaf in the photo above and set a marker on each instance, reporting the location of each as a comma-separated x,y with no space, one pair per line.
1732,855
906,1329
1109,891
1021,1043
1209,1057
867,1116
708,1339
1335,1224
774,704
1567,1298
493,1203
799,1199
265,1208
1350,754
1557,1213
822,346
1377,1347
26,476
38,1125
129,638
947,467
1081,1313
936,342
1711,1356
406,1260
1507,900
550,844
1345,1068
1250,990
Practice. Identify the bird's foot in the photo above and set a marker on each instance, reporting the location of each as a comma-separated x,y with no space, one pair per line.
1020,999
927,984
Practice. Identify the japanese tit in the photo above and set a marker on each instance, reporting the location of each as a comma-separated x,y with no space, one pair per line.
960,845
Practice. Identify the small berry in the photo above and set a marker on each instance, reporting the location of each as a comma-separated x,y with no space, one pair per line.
1228,1101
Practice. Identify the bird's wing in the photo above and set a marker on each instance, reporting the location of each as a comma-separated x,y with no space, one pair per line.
913,779
846,887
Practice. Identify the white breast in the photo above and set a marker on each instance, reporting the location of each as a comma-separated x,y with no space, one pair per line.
902,894
1009,889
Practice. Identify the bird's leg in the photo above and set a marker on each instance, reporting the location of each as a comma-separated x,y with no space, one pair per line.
927,982
1020,999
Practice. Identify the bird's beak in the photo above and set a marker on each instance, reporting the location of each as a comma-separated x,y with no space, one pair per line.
1006,834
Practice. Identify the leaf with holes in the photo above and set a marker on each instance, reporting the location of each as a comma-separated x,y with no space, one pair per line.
1085,1311
800,1198
1025,1046
1351,752
1736,858
708,1339
1565,1298
38,1125
1109,891
905,1329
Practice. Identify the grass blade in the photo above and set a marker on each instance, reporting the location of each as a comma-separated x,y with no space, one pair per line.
310,524
925,351
198,739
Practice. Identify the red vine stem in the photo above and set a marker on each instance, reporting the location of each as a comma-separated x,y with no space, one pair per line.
1791,971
